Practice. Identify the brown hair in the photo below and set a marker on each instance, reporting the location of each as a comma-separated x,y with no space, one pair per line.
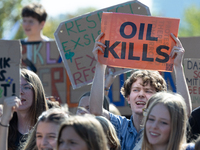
34,10
89,129
153,77
38,106
53,115
110,132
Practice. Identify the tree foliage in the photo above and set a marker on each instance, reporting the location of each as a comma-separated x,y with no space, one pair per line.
191,26
52,23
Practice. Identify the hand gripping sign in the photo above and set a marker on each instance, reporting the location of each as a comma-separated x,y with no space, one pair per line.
76,37
136,41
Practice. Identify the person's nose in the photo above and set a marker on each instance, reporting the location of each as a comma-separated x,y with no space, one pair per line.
141,93
44,141
21,90
155,125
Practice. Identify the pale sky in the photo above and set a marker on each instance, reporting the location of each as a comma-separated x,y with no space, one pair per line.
56,7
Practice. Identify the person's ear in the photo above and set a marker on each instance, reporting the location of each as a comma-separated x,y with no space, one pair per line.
42,24
128,99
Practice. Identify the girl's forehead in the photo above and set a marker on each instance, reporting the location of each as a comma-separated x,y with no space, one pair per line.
23,81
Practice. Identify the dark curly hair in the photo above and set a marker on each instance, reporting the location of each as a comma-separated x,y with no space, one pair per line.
153,77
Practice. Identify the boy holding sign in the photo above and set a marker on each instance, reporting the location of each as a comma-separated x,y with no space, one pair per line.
137,89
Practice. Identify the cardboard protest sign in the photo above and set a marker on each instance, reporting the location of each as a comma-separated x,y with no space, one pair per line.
136,41
76,37
9,69
44,59
192,73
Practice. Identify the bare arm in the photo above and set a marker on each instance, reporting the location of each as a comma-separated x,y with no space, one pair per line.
109,81
10,103
182,88
97,90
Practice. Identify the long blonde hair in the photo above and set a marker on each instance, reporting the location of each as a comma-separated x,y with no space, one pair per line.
177,110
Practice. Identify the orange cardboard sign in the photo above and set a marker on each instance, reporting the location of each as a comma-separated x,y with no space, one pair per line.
136,41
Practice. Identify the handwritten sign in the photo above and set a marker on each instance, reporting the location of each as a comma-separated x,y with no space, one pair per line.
76,37
192,73
136,41
9,69
47,62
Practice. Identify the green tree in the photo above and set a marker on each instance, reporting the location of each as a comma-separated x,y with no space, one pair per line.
52,23
191,27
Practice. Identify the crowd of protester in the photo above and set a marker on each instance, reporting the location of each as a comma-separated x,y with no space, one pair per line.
160,120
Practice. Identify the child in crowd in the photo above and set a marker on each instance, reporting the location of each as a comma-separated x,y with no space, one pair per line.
165,123
33,20
82,133
20,115
45,132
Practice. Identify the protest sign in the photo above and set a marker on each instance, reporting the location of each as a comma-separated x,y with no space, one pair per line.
136,41
47,62
44,59
192,73
76,37
9,69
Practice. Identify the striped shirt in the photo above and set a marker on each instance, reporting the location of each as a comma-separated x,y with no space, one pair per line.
126,132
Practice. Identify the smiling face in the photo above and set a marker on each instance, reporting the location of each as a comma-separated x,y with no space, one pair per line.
71,140
26,95
139,96
158,126
32,27
46,135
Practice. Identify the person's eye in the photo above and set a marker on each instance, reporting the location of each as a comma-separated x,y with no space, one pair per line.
149,91
150,119
163,122
52,137
72,142
135,90
27,87
38,136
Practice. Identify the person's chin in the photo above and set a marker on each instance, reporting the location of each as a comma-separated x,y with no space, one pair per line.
139,111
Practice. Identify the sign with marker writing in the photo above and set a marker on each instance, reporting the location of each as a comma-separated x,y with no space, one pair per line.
76,37
136,41
192,74
9,69
46,61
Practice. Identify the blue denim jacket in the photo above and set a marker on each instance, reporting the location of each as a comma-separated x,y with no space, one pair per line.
126,132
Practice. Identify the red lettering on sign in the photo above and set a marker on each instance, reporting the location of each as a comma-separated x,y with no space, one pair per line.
93,59
77,77
85,75
54,90
197,74
77,64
